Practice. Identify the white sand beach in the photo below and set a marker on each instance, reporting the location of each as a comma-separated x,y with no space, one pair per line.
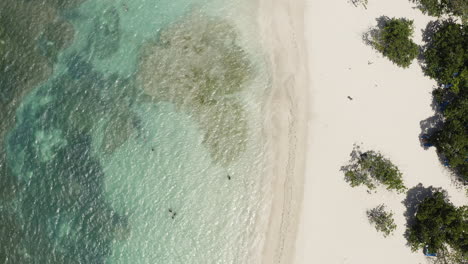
282,35
385,114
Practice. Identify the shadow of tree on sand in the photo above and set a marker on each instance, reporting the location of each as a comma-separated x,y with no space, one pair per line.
427,34
414,197
369,36
429,126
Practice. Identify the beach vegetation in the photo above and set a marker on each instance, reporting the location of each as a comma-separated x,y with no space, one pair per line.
444,56
440,227
393,40
357,3
382,220
438,8
371,169
446,60
432,7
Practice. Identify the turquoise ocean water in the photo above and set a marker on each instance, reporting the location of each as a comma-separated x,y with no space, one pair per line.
143,143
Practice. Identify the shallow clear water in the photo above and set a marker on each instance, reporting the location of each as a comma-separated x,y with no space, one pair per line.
143,145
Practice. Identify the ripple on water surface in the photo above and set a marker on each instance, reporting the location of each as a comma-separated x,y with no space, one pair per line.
143,146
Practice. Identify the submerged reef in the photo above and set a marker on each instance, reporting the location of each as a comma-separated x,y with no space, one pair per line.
59,199
198,65
71,222
31,35
105,39
93,98
59,4
52,203
9,183
225,129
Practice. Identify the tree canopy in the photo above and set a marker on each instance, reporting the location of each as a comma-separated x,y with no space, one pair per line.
440,226
446,61
371,168
445,56
393,40
444,7
451,140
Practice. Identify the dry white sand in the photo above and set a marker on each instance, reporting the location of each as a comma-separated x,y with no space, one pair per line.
389,104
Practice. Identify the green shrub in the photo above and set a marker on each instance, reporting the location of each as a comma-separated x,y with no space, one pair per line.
371,168
382,220
393,40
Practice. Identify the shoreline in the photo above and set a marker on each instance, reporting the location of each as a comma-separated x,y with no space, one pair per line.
281,30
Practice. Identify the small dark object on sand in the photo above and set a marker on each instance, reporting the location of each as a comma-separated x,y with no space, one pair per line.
350,98
229,177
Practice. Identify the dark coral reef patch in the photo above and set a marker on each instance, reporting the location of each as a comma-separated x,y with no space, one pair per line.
199,66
